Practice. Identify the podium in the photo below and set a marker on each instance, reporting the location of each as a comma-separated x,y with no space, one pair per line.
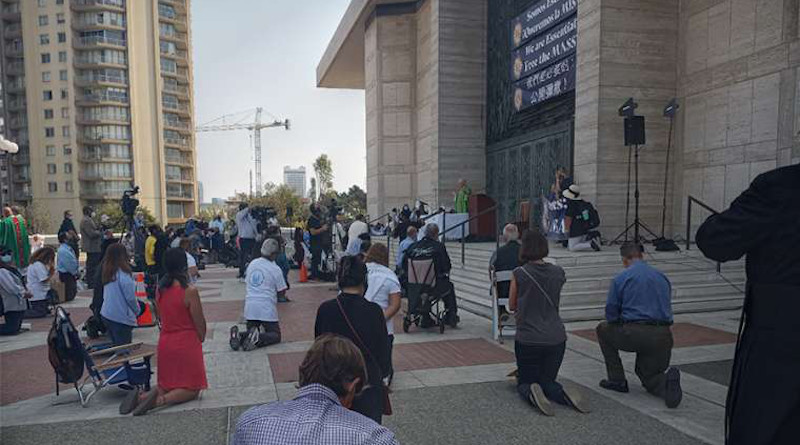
484,226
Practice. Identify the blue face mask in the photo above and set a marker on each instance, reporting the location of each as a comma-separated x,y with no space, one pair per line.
5,258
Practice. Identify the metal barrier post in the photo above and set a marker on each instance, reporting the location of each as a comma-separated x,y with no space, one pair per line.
462,247
444,227
689,223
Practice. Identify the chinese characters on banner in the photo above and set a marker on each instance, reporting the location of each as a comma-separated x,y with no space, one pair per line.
544,42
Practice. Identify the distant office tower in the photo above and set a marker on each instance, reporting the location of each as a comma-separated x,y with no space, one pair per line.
98,95
296,179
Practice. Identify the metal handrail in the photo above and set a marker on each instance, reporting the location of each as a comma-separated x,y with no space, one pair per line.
378,218
469,220
690,201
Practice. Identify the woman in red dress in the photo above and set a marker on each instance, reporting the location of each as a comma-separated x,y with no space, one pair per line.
181,370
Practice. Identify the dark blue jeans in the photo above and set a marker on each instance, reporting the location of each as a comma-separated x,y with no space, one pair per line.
13,323
245,254
540,364
121,334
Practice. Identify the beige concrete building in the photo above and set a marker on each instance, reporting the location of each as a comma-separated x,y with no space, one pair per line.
98,95
441,99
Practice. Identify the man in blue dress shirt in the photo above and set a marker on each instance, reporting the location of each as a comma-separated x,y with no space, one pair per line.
638,319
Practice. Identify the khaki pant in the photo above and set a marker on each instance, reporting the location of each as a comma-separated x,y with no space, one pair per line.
652,345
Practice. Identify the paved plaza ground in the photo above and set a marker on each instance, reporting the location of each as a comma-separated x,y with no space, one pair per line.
449,388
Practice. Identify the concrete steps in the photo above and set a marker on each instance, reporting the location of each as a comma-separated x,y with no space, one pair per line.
697,287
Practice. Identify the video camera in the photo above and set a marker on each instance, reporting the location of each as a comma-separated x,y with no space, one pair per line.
129,204
334,210
266,216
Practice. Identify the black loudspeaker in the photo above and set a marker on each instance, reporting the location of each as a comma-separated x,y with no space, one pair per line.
634,130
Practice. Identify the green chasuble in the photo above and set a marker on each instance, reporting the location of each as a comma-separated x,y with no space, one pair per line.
462,199
14,237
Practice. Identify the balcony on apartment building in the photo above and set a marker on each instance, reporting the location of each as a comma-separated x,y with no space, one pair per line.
18,122
99,119
170,141
15,68
88,79
95,176
180,90
101,98
177,107
88,21
183,159
177,125
16,105
14,49
12,31
99,42
11,12
22,194
180,194
98,5
90,157
16,86
84,60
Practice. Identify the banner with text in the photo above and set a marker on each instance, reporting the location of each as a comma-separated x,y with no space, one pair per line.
540,17
545,84
551,46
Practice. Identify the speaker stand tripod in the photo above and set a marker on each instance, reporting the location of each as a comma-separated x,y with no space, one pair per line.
637,224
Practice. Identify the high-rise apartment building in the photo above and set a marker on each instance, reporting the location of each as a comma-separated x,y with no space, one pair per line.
98,95
296,179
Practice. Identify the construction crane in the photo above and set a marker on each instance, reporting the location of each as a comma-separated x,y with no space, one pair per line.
246,120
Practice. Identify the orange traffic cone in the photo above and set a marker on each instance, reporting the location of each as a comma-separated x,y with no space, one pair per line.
303,273
146,319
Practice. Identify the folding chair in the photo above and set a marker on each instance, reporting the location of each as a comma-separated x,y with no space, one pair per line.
502,276
126,365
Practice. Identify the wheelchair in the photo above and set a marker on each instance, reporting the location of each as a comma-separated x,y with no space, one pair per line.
424,302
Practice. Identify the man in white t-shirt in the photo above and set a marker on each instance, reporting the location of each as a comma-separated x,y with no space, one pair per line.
186,244
358,227
265,284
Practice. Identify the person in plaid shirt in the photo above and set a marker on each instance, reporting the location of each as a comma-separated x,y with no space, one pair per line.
331,375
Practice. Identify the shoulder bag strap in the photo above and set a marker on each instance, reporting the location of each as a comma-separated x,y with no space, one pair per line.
536,282
355,334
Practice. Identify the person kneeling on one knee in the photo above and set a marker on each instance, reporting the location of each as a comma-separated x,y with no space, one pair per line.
638,319
265,286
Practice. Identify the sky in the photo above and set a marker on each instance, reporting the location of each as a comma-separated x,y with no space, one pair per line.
264,53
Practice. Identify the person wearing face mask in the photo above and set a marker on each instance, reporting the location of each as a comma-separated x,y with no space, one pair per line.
13,293
92,240
351,315
331,376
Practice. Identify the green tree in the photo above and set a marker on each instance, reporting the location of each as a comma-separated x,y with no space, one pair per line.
208,213
38,218
323,169
117,218
353,202
280,197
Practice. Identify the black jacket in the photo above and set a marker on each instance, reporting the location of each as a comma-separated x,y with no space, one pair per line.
764,224
506,258
430,248
368,321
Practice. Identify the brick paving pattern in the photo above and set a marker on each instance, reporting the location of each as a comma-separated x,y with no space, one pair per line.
684,334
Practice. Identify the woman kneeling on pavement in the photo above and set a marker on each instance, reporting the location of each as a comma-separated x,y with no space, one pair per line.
120,306
540,339
40,271
181,369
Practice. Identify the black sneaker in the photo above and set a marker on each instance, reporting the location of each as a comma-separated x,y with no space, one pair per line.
673,394
284,300
235,340
250,340
539,400
621,386
595,245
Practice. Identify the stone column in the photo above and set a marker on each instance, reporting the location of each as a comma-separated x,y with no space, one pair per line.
390,70
625,49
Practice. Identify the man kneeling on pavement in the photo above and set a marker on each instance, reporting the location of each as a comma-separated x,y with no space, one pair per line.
265,288
638,319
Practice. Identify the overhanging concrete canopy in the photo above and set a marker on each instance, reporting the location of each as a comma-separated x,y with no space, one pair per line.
342,65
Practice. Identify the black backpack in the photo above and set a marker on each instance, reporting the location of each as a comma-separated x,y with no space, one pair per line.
594,217
64,349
